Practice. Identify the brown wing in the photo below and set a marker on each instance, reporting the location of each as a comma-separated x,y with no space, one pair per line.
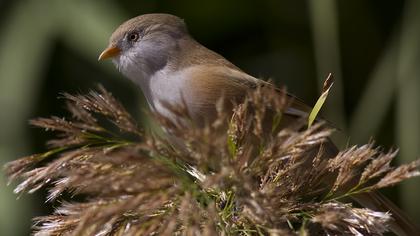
209,84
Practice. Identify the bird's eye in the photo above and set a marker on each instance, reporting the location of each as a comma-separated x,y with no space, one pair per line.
133,37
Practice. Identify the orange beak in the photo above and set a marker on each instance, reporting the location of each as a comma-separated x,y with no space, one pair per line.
109,52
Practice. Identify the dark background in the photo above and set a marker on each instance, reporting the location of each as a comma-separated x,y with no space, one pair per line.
372,48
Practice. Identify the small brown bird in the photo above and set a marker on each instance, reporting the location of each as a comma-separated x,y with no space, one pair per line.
157,53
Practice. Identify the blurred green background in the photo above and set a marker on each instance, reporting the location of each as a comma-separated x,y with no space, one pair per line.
372,47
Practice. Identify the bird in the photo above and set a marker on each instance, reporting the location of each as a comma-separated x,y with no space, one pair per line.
159,55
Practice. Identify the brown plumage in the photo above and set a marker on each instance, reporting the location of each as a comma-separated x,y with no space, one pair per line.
157,53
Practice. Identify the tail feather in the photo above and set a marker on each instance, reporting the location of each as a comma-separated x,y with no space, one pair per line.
400,223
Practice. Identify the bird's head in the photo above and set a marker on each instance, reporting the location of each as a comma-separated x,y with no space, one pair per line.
143,45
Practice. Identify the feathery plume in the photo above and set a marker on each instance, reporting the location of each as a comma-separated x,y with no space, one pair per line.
245,173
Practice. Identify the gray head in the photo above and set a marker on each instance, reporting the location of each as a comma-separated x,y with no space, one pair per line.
144,44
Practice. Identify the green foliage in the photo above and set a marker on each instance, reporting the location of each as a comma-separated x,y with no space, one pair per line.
321,100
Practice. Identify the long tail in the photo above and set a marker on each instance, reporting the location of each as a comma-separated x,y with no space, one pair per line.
400,224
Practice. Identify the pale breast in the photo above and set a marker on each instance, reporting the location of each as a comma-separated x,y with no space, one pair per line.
166,87
199,86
